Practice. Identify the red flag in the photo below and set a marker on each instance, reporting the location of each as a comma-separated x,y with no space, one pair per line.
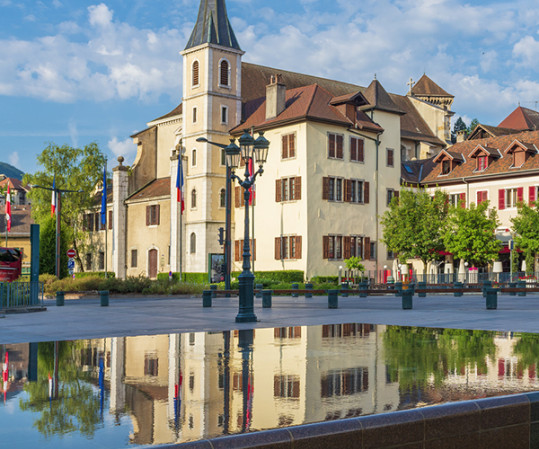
179,186
252,189
8,209
53,199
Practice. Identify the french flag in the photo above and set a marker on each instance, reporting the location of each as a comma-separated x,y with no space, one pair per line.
179,185
53,200
8,209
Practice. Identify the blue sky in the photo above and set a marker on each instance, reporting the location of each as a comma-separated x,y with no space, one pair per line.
80,71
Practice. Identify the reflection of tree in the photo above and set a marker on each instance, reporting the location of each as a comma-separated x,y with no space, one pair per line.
527,349
77,405
414,356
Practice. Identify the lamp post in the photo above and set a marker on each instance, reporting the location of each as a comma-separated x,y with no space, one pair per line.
228,211
58,193
257,150
467,271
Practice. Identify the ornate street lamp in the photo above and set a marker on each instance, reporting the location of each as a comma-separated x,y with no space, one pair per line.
258,151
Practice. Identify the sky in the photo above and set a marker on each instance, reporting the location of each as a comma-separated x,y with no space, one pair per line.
75,72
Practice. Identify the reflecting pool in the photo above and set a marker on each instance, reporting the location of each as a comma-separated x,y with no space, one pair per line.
145,390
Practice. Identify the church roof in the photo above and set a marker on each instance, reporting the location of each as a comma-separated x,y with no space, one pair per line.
425,86
154,189
311,102
522,119
378,98
213,26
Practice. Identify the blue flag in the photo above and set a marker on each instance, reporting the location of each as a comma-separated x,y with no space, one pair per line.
104,198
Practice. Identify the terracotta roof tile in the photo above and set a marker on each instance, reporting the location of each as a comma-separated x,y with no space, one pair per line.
523,119
21,219
378,98
154,189
176,111
501,165
14,184
425,86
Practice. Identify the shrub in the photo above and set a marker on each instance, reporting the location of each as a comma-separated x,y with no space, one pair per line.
276,276
325,279
100,274
192,278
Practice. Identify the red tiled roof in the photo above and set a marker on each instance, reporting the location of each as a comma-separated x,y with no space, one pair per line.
155,189
378,98
21,219
523,119
176,111
501,165
309,102
14,183
425,86
483,131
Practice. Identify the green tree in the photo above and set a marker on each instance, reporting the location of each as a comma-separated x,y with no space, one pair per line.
470,234
459,126
413,225
354,263
75,169
526,231
472,126
47,248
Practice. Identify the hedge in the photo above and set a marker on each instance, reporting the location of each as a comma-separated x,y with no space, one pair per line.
99,274
325,279
192,278
278,276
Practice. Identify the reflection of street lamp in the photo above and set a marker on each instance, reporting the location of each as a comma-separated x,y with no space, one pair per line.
58,194
227,246
249,149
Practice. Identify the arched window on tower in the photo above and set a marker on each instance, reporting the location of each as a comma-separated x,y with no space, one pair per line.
222,198
195,74
193,199
193,243
224,73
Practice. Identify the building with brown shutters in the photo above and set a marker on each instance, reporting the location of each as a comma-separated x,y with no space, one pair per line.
334,163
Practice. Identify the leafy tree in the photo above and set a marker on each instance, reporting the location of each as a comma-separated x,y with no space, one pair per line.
413,225
354,263
472,126
459,126
470,234
47,248
526,229
75,169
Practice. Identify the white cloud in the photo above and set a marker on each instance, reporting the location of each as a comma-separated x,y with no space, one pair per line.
100,15
527,49
122,148
13,158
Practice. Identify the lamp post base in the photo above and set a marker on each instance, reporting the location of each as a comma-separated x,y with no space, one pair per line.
246,310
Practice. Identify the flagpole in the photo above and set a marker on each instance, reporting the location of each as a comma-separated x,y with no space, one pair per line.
106,219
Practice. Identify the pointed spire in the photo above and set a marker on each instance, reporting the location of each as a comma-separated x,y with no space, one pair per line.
213,26
378,98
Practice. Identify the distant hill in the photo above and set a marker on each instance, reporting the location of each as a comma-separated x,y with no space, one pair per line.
10,171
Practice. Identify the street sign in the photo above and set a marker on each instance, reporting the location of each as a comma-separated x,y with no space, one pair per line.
70,263
71,253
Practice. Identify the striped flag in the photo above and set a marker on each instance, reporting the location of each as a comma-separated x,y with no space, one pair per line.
8,209
179,185
104,199
53,200
252,188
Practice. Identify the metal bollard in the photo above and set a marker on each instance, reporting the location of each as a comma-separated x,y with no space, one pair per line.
512,285
295,287
60,299
104,298
407,299
344,288
521,284
458,285
422,286
363,287
486,284
492,298
206,298
213,289
266,299
333,299
398,288
308,286
259,287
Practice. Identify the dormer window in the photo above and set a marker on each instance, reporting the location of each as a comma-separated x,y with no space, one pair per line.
448,160
482,163
484,156
521,151
446,167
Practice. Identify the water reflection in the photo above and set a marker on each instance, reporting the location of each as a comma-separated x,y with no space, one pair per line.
183,387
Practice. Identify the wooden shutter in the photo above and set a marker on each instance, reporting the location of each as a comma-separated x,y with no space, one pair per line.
353,149
284,149
389,157
278,191
331,145
237,196
479,197
346,247
396,194
292,145
532,191
348,190
298,246
520,194
360,152
366,192
277,248
462,200
253,249
367,248
110,219
237,250
148,215
501,199
297,188
340,147
325,247
325,188
158,214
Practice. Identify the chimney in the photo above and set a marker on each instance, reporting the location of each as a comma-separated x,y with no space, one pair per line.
461,136
275,97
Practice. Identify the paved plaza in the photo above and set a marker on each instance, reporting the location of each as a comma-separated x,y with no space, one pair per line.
85,318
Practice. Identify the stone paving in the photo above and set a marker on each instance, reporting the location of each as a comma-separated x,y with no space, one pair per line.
85,318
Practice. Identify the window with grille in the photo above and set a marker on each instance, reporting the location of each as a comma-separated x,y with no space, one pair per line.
335,146
224,73
195,73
